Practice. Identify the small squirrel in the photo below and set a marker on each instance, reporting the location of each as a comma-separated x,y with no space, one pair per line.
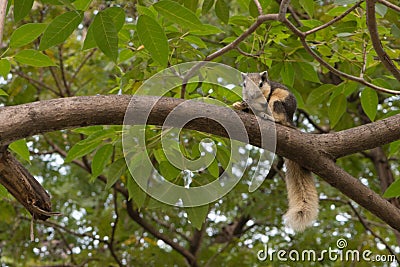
273,101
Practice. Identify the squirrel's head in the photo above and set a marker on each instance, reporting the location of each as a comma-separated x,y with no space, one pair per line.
256,81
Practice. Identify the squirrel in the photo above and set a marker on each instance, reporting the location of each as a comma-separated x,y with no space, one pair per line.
273,101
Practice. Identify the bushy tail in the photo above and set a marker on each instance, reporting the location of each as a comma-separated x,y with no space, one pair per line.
302,196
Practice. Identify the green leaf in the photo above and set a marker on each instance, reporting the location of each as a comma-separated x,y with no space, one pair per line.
253,10
5,68
89,40
195,40
318,95
344,2
152,35
395,31
369,102
117,15
309,73
308,6
82,4
89,130
26,34
106,35
222,11
393,190
60,29
197,215
179,14
115,171
381,9
207,30
168,171
213,168
287,74
191,4
394,148
337,108
21,9
21,149
207,5
99,135
135,192
81,149
33,58
299,98
100,160
3,93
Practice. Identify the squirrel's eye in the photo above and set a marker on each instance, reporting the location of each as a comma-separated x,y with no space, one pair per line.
261,84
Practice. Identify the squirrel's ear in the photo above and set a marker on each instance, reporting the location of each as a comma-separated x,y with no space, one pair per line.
244,75
264,76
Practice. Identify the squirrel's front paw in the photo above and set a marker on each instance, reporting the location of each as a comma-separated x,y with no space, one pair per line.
240,105
266,116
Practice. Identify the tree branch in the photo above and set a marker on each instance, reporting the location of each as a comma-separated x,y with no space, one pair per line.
24,187
134,214
376,42
3,11
367,227
329,23
281,16
390,5
259,7
260,20
312,151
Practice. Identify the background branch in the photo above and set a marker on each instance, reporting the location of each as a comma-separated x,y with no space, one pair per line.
3,11
376,42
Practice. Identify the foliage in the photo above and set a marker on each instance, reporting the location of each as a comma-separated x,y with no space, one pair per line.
61,48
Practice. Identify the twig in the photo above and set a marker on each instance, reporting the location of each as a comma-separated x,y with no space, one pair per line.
62,69
212,258
293,13
88,56
364,65
283,9
114,228
390,5
3,10
35,82
343,74
248,54
368,228
134,214
259,7
313,123
260,20
170,228
376,43
344,14
67,250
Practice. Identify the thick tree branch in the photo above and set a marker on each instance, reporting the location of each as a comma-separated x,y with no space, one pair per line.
24,187
315,152
376,42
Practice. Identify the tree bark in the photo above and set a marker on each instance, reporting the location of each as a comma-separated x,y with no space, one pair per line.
316,152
